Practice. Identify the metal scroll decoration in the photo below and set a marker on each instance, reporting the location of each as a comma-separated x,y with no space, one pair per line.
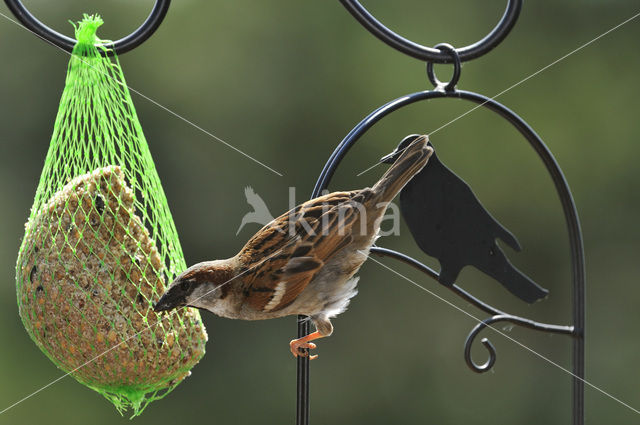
465,249
130,42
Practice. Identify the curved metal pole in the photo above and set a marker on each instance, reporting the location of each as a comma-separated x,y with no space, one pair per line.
497,315
564,193
504,318
385,252
133,40
424,53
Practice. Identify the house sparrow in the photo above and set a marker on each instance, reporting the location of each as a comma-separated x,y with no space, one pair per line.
301,263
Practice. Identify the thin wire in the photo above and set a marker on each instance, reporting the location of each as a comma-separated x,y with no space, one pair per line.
522,81
539,71
135,335
175,114
76,369
502,333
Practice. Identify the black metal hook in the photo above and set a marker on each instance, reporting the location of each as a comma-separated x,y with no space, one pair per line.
424,53
133,40
497,315
494,312
451,85
570,215
492,351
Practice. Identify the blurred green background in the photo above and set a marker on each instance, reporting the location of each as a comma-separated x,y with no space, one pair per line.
284,81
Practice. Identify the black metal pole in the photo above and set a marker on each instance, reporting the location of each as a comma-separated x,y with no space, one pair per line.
578,338
302,393
578,370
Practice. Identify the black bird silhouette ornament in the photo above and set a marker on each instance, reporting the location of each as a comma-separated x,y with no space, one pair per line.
449,223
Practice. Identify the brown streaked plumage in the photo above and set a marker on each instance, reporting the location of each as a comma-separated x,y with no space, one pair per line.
302,262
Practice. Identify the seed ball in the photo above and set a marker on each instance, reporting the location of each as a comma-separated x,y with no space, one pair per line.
88,274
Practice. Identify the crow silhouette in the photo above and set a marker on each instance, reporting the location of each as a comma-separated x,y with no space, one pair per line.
449,223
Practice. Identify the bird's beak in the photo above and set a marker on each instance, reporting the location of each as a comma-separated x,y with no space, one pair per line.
389,159
174,297
404,143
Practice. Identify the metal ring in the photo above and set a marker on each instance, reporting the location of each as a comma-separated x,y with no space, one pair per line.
451,85
424,53
133,40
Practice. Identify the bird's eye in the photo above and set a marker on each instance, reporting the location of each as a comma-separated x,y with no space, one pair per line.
184,285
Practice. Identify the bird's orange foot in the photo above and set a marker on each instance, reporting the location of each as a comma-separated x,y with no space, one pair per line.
297,344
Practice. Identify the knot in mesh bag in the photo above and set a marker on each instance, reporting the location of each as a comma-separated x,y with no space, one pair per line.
100,245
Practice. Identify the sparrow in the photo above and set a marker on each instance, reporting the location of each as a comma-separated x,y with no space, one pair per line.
301,263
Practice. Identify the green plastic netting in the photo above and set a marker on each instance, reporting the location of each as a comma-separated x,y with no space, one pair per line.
100,244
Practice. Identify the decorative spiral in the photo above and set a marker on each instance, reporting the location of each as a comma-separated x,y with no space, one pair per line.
489,346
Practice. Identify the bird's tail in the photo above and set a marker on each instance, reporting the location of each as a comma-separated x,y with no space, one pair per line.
410,162
520,284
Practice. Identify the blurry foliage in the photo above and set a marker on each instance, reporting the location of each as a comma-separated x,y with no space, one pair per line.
284,81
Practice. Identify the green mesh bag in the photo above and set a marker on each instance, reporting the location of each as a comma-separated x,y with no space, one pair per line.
100,245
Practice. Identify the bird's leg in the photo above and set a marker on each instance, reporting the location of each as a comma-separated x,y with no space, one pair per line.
305,342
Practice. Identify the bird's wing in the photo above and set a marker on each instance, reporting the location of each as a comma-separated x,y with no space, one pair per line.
255,200
285,255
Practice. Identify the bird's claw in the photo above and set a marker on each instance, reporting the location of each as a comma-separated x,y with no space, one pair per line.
297,347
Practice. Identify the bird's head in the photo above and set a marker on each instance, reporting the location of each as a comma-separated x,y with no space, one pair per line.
391,158
201,286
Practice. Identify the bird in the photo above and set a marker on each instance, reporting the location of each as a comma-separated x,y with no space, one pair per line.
260,213
301,263
449,223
